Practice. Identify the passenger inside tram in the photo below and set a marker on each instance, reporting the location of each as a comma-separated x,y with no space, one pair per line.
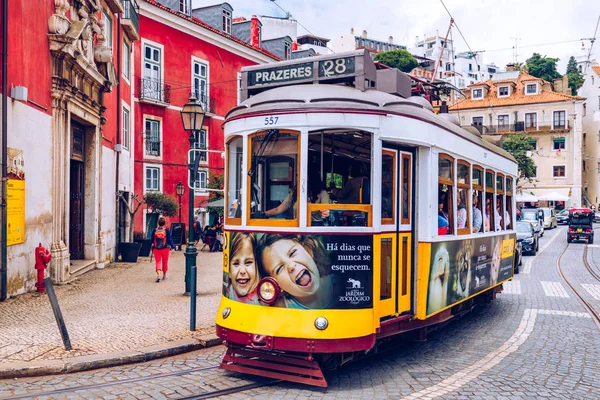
477,215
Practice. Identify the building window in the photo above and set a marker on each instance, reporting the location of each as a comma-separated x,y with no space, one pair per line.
533,143
478,93
531,88
184,7
503,91
126,122
559,120
477,121
287,47
108,30
530,120
151,87
448,67
200,83
503,122
226,21
152,138
558,144
201,143
152,182
126,60
558,171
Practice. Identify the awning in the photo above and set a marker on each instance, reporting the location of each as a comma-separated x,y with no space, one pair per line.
551,194
216,203
525,197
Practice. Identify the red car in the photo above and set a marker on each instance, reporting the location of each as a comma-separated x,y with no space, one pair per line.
580,225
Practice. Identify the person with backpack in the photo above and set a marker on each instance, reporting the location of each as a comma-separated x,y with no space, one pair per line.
162,243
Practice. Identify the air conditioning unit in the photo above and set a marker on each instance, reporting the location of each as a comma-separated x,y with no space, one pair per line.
119,148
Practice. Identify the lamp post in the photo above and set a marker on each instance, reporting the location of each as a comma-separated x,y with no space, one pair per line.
192,117
179,190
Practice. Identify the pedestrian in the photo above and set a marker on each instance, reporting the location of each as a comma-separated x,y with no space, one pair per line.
197,231
162,244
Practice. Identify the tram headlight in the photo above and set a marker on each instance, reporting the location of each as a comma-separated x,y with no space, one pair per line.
268,290
226,312
321,323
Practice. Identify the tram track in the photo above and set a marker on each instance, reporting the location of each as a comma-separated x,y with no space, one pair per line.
595,314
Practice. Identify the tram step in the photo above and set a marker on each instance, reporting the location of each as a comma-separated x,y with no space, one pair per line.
286,367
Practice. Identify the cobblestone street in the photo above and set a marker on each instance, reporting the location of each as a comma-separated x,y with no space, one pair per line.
116,309
535,340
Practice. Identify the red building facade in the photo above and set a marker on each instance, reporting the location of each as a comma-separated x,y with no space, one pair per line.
180,55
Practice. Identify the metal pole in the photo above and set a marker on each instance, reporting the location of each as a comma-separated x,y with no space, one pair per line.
190,252
64,334
3,238
193,299
180,208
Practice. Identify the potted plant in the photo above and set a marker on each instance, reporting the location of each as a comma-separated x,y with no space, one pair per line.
130,250
138,237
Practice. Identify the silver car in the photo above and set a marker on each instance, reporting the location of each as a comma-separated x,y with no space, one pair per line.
550,220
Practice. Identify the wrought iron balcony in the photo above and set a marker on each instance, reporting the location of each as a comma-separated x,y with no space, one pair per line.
521,126
208,103
131,19
154,91
152,143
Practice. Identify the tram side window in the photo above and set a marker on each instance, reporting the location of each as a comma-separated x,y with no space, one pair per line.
234,177
502,222
339,173
463,216
445,200
489,217
388,179
509,208
478,219
273,175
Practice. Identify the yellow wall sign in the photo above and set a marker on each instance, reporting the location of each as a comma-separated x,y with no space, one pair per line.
15,211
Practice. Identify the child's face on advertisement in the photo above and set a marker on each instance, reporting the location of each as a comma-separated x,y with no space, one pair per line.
293,267
242,268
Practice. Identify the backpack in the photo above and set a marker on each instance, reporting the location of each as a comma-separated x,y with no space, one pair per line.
160,239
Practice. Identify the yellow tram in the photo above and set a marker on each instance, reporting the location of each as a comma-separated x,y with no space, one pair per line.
353,213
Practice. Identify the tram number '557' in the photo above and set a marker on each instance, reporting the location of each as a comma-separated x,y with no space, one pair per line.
271,120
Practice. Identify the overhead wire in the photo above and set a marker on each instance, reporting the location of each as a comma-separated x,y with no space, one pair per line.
592,39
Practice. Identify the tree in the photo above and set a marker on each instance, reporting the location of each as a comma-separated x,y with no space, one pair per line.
215,181
575,77
400,59
518,145
543,67
159,203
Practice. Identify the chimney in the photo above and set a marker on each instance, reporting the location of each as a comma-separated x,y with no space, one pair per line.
510,67
352,31
391,40
364,34
295,46
255,32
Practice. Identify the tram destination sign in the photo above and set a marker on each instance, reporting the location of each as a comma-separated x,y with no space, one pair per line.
352,67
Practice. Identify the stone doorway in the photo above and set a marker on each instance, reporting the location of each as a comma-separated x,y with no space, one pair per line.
77,192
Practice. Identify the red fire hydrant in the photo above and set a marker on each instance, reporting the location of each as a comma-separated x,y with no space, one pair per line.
42,258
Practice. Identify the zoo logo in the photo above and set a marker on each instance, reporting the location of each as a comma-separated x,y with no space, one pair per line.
355,284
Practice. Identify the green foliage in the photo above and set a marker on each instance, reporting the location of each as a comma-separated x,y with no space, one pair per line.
338,180
400,59
215,181
522,67
543,67
575,77
518,145
161,203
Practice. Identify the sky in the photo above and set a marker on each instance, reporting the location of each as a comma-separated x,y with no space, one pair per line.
487,25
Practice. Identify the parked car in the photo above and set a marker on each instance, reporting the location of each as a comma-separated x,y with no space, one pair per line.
532,215
529,237
518,255
580,225
562,217
597,217
550,221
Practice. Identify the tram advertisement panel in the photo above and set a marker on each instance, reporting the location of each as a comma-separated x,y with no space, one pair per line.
311,271
462,268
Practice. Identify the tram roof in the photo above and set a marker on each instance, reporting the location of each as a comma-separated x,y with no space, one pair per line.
318,98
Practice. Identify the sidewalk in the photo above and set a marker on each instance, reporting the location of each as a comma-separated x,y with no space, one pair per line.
115,315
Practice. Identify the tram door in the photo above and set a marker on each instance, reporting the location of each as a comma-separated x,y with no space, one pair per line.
394,244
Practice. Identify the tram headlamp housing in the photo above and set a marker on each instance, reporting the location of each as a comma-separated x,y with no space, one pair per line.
226,312
321,323
268,290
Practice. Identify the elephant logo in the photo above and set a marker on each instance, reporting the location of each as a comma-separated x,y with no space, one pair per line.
355,283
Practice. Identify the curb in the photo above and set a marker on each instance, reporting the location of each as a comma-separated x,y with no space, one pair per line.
95,361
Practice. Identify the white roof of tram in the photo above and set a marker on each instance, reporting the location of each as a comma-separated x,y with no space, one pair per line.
314,97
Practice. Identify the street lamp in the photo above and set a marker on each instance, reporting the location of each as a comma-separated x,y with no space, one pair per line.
179,190
192,117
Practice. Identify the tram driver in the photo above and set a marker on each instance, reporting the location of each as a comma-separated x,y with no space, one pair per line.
316,195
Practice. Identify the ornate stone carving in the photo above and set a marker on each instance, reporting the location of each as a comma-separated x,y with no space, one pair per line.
58,23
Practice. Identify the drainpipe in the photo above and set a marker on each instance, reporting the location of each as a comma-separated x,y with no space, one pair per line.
119,123
3,249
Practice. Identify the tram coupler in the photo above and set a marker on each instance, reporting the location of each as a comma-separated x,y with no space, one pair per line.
42,258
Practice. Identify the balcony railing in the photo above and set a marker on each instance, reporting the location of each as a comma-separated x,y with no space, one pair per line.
154,91
131,19
521,126
208,103
151,144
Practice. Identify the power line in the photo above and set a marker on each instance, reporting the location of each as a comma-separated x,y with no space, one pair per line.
593,39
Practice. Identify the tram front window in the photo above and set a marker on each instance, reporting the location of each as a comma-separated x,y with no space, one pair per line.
339,173
234,178
273,174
